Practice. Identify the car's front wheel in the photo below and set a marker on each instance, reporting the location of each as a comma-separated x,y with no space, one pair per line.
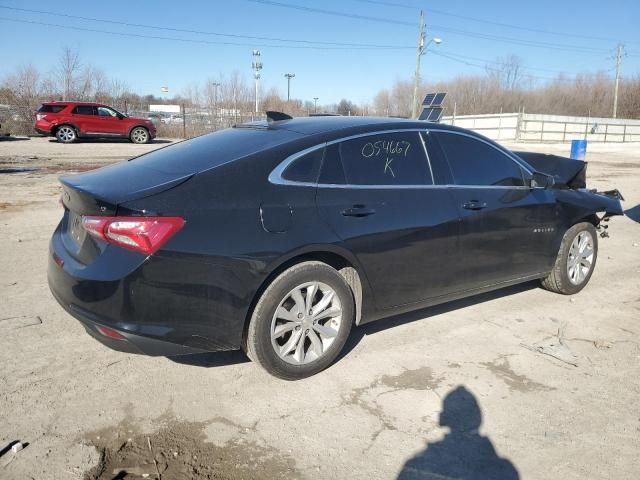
575,261
301,321
66,134
139,135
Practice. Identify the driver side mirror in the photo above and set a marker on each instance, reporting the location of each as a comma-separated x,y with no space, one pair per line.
120,116
541,180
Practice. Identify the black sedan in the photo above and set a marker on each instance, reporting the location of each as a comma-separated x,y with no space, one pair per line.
277,237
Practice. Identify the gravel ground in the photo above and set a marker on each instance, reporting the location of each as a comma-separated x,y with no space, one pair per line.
410,395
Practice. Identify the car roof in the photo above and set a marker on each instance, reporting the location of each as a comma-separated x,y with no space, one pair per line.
72,102
331,124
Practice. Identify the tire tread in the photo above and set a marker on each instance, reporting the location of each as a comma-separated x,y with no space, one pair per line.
557,280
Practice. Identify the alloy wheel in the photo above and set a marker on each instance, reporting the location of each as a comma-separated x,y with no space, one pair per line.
139,135
66,134
580,258
306,323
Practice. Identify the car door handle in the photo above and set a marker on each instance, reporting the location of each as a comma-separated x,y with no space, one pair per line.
358,211
474,205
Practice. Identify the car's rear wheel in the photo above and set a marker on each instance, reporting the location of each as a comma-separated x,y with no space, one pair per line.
301,321
139,135
575,262
66,134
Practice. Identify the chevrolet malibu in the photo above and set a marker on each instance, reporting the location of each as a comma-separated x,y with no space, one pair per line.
278,237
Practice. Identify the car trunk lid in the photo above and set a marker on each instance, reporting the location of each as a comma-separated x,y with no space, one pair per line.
99,193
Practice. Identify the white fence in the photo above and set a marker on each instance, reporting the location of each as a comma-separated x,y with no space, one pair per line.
529,127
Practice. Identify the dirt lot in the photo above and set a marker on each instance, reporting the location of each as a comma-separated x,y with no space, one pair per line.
408,395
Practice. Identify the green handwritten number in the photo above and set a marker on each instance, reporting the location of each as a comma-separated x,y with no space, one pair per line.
387,167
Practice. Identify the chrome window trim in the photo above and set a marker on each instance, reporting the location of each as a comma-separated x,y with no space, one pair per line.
275,177
426,154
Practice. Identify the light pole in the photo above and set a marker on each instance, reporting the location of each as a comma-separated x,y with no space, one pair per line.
256,65
315,104
421,50
289,76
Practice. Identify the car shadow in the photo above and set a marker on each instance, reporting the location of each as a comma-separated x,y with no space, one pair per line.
233,357
212,359
633,213
358,333
463,453
9,138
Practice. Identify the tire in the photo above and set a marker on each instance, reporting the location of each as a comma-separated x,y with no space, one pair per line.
66,134
575,262
302,344
139,135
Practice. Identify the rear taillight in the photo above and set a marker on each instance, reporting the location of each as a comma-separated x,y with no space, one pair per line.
140,234
40,116
110,332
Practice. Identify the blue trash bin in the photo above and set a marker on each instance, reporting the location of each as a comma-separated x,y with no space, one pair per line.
578,149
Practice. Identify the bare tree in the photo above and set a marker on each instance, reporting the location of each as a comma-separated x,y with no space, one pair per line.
346,107
382,103
507,71
69,66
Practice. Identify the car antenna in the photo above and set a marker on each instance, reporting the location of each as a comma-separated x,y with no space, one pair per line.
273,116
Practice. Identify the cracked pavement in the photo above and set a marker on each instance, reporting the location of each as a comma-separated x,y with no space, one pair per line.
375,411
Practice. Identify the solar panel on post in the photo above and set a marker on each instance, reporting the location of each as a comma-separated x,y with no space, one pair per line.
435,114
428,100
438,99
432,107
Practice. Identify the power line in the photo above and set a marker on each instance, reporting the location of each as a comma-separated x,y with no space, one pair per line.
498,62
333,12
455,31
489,22
190,40
203,32
493,69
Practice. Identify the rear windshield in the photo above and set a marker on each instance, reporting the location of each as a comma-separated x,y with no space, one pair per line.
214,149
51,108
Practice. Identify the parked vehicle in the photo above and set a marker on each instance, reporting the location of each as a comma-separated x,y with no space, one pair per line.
4,129
69,121
172,120
155,118
278,237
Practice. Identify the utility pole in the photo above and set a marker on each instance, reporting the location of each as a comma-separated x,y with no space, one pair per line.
315,104
289,76
619,55
256,65
215,86
419,51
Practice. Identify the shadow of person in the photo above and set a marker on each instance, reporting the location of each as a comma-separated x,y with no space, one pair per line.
463,454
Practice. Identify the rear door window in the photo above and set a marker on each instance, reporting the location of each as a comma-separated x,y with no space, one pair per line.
51,108
474,162
305,168
84,110
385,159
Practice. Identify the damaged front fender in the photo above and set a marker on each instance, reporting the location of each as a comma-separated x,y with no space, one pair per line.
582,204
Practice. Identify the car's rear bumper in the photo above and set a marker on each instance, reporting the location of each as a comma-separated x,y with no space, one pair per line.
42,127
130,342
142,302
42,132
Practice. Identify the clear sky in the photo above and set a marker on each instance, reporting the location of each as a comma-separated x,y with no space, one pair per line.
552,36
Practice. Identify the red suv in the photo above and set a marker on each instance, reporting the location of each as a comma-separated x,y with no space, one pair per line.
68,121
